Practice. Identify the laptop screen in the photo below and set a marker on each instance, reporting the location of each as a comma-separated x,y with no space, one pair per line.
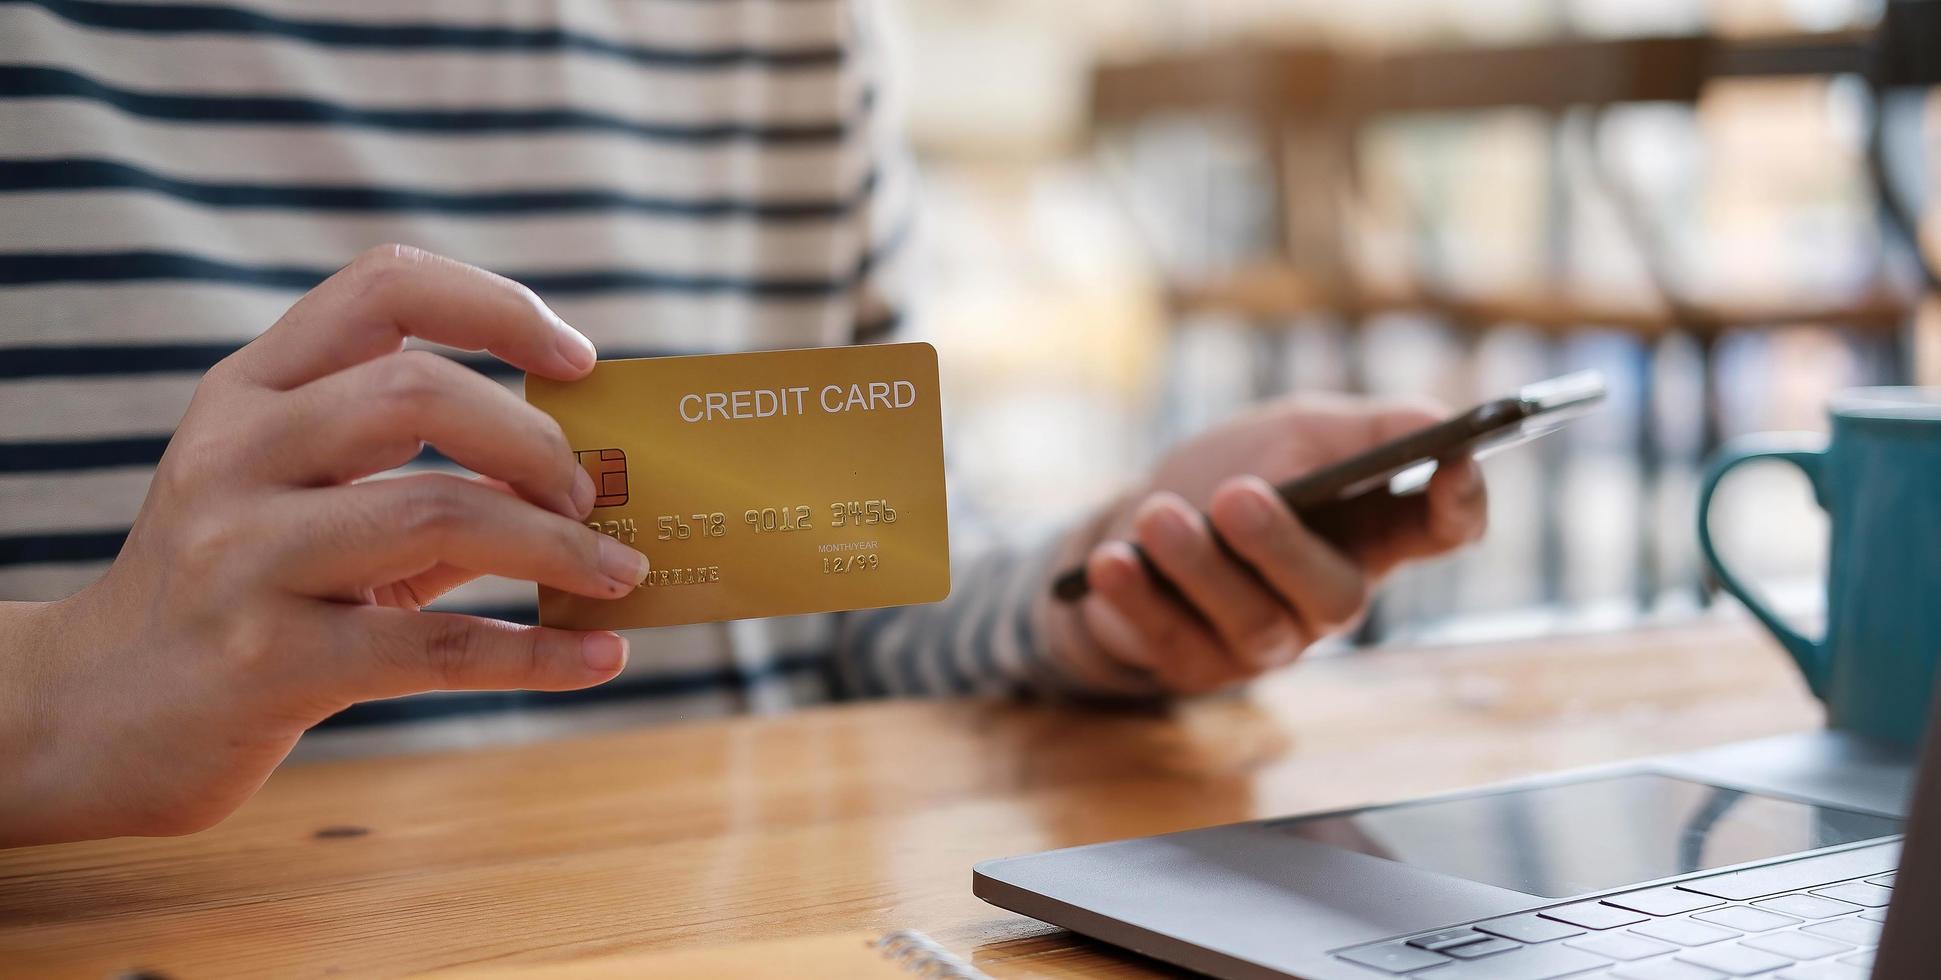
1564,839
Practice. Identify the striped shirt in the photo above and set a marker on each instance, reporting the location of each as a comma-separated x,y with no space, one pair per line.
671,176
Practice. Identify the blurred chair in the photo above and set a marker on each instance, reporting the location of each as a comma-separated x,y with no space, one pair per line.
1303,108
1283,103
1593,77
1585,80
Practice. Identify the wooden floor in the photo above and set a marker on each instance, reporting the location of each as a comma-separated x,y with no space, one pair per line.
861,817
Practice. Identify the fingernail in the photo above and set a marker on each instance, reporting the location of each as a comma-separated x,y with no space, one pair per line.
1255,512
1274,649
575,349
583,492
604,653
1108,567
625,566
1171,526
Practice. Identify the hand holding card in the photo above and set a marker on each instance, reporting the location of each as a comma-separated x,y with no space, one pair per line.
766,484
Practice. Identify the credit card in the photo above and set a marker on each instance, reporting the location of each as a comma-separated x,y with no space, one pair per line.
764,484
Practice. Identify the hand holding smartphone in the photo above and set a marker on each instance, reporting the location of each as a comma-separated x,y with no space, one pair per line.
1403,465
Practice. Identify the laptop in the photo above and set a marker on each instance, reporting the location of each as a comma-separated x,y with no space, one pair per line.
1780,859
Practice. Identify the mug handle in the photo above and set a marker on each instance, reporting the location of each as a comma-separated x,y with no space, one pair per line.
1809,654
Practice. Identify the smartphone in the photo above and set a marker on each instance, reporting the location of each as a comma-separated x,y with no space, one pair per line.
1403,465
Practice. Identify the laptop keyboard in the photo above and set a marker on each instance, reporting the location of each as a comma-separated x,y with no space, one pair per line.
1817,918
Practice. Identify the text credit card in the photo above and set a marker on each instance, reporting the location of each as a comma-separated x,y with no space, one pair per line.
763,484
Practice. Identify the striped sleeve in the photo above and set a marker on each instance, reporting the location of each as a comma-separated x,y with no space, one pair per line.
988,638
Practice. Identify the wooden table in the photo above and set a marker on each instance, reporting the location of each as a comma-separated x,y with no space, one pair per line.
858,817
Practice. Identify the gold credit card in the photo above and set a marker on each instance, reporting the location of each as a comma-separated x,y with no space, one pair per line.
764,484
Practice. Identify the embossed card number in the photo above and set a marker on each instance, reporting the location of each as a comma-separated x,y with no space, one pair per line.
764,484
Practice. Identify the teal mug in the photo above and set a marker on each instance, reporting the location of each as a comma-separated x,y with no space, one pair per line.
1878,476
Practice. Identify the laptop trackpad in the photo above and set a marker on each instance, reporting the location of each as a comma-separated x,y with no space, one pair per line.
1572,838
